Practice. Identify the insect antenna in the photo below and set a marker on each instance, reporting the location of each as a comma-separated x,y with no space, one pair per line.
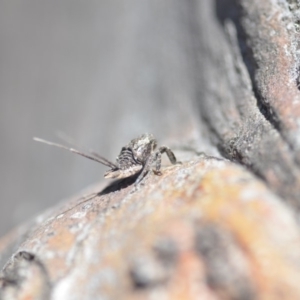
66,138
98,159
104,159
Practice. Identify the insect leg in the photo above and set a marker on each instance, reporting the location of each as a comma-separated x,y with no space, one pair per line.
169,152
146,167
158,163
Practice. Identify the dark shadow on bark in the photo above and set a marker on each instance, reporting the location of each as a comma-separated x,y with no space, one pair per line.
118,185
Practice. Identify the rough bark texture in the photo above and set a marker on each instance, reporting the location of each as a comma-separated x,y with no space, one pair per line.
248,87
206,229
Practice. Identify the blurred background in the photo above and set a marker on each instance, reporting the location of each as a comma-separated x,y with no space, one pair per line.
102,72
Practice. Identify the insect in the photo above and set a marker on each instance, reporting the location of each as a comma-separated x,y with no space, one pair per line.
138,157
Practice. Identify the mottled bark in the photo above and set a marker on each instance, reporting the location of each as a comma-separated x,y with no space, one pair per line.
248,86
203,230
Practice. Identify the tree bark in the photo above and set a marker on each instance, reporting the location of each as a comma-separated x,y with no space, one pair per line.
209,228
248,87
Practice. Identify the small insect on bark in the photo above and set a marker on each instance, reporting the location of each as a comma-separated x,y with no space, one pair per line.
139,156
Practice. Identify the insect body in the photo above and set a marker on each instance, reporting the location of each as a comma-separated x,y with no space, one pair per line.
138,156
